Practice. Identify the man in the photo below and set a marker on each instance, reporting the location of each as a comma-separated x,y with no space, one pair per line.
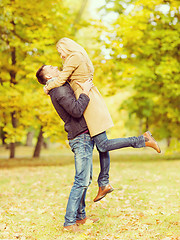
71,112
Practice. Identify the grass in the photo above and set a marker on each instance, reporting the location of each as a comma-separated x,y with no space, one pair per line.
144,205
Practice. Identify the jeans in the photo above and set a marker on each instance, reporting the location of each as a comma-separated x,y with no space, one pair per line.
104,145
82,147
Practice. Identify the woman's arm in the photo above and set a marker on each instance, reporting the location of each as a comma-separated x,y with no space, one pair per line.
72,63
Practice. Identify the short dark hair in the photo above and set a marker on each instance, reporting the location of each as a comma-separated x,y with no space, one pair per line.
40,76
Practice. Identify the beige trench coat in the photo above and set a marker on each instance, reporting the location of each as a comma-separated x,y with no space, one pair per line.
75,70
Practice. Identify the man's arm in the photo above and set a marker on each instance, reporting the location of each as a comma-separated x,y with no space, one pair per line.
66,98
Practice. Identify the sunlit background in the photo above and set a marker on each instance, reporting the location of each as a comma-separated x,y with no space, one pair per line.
134,46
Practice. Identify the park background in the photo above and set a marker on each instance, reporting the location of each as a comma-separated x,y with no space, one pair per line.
135,48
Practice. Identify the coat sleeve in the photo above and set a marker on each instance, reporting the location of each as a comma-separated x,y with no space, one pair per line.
72,63
74,107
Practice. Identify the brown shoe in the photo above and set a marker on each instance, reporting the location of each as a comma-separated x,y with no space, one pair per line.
151,142
72,228
83,221
103,191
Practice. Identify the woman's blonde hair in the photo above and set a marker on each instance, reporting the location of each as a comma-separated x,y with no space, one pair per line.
69,46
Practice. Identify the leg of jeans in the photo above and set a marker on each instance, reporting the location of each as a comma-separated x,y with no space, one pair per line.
103,178
82,146
81,213
104,144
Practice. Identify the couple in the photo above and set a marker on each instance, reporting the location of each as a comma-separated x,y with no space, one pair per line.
86,117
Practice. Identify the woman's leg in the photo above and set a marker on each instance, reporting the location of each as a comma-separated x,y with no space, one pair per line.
103,178
104,144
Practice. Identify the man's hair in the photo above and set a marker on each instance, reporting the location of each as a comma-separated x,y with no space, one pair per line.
40,76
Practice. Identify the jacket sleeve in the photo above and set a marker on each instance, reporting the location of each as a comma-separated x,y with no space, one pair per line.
74,107
72,63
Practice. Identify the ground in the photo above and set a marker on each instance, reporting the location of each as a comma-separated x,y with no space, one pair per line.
145,203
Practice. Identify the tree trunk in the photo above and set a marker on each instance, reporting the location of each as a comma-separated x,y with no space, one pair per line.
140,127
79,15
13,81
46,143
38,144
147,124
12,144
29,139
12,150
2,133
168,141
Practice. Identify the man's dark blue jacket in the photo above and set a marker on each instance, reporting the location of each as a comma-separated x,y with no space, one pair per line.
69,109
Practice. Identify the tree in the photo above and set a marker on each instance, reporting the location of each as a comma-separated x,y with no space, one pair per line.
144,50
28,35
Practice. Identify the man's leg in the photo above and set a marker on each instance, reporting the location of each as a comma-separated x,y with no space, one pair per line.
81,214
82,146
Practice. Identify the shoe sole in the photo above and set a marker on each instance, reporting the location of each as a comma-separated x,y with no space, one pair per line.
154,140
72,230
110,190
96,220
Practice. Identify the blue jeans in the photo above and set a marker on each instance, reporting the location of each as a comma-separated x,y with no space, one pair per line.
82,147
104,145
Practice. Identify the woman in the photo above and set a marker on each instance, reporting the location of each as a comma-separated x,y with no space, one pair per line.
77,69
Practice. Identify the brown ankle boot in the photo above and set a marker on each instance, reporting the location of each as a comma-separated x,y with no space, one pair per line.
151,142
103,191
83,221
72,228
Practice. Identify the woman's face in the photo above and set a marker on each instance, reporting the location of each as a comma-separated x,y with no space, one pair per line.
62,53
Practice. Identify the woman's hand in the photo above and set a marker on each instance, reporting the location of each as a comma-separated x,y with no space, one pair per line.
86,86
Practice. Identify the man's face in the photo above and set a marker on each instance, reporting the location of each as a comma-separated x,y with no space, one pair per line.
50,71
